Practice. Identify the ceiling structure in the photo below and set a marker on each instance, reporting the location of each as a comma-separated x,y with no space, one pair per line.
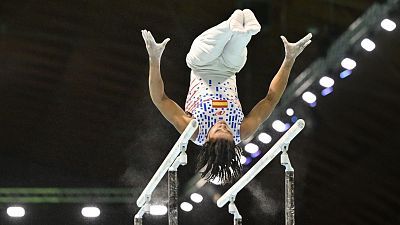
76,112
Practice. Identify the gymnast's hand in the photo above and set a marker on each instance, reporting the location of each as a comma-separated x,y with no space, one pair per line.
154,49
292,50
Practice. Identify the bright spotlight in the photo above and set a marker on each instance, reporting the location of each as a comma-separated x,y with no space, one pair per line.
279,126
264,138
243,159
388,25
195,197
309,97
16,211
345,74
158,210
256,154
90,212
326,82
248,161
367,44
251,148
289,112
186,206
326,91
348,63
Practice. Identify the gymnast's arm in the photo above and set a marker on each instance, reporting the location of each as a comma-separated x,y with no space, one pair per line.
168,108
263,109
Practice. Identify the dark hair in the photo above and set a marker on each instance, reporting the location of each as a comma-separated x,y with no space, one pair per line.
221,159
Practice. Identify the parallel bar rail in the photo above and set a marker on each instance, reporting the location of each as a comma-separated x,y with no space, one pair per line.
176,157
168,161
264,161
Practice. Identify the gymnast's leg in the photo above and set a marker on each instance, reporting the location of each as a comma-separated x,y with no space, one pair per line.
235,53
209,45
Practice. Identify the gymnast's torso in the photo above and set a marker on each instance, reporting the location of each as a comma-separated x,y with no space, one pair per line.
212,98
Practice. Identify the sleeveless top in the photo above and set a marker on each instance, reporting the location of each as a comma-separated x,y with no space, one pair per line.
211,99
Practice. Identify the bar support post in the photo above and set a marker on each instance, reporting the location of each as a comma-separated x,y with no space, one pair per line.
138,219
173,197
289,186
173,185
237,218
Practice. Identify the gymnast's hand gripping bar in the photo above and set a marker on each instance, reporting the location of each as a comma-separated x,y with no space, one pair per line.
230,195
180,146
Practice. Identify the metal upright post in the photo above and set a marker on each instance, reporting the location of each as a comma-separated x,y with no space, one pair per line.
289,186
289,197
237,218
173,185
138,219
173,197
238,221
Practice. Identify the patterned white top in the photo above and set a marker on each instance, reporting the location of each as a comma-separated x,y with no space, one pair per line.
211,99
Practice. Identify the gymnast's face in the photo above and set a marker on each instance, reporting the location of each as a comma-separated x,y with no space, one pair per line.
220,130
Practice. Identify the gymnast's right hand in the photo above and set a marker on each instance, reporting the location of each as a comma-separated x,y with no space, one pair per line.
154,49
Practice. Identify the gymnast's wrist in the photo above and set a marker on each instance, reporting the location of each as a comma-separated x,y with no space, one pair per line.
154,60
289,61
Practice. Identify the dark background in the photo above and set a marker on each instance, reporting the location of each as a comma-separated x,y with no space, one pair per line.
75,109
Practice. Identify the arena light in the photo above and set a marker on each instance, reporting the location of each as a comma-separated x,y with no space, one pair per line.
279,126
309,97
388,25
243,159
158,210
16,211
264,138
248,161
90,212
345,74
326,82
251,148
326,91
367,44
256,154
348,63
186,206
289,112
195,197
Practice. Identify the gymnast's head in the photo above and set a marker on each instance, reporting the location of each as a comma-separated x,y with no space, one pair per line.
220,157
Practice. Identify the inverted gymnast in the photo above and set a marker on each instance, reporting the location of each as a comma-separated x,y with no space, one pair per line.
214,58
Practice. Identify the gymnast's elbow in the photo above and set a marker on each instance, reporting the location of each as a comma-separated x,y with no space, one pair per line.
158,99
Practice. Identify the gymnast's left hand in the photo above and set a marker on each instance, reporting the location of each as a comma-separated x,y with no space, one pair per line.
154,49
292,50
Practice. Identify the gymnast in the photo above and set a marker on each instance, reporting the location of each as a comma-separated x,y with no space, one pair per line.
214,58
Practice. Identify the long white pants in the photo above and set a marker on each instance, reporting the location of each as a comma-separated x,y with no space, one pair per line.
218,51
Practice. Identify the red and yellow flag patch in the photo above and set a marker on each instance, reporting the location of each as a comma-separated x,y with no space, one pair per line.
219,103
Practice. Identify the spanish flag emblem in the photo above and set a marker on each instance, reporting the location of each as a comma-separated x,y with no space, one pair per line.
219,103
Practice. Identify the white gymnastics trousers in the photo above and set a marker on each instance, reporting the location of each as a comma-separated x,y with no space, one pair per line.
218,51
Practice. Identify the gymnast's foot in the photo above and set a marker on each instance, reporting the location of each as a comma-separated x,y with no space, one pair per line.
251,25
236,22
